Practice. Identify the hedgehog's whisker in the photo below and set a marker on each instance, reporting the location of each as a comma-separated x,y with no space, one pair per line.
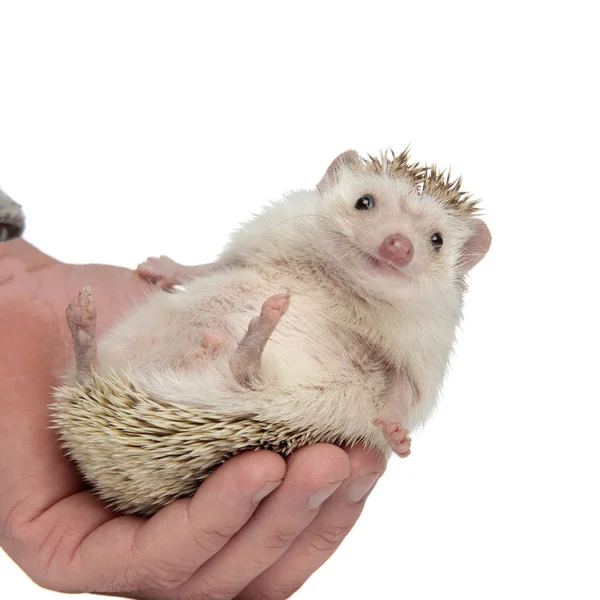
290,219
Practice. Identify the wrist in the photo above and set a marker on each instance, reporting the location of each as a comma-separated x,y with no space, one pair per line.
26,254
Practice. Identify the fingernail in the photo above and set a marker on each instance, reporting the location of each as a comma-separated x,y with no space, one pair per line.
321,495
265,490
359,487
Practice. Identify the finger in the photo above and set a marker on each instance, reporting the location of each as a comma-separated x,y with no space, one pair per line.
165,550
323,536
313,474
183,536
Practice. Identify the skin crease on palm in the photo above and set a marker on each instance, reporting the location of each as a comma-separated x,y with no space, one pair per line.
222,543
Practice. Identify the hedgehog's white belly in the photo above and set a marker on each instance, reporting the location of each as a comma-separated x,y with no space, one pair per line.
166,332
158,416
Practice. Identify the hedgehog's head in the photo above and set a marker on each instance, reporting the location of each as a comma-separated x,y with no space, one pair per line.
396,229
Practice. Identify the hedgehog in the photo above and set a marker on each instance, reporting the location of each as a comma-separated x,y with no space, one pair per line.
329,317
12,219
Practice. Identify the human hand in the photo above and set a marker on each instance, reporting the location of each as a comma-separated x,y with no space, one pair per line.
219,544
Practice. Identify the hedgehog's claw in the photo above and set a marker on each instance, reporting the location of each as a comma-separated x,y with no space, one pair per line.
245,362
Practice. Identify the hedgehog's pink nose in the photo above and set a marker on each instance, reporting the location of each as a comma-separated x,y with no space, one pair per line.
397,249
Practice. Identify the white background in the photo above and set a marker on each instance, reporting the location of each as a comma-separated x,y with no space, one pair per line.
130,129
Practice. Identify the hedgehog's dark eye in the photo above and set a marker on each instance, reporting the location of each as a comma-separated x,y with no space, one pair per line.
437,241
365,202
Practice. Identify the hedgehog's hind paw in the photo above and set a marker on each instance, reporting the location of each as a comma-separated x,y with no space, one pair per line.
12,219
81,318
246,361
395,436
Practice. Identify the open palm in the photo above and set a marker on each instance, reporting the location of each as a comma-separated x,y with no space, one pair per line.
257,528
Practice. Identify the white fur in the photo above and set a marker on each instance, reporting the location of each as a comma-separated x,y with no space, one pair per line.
349,330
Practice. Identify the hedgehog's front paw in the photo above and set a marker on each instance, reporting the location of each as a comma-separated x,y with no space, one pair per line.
395,436
162,272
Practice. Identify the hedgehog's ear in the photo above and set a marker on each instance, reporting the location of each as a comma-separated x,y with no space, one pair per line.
476,246
349,159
